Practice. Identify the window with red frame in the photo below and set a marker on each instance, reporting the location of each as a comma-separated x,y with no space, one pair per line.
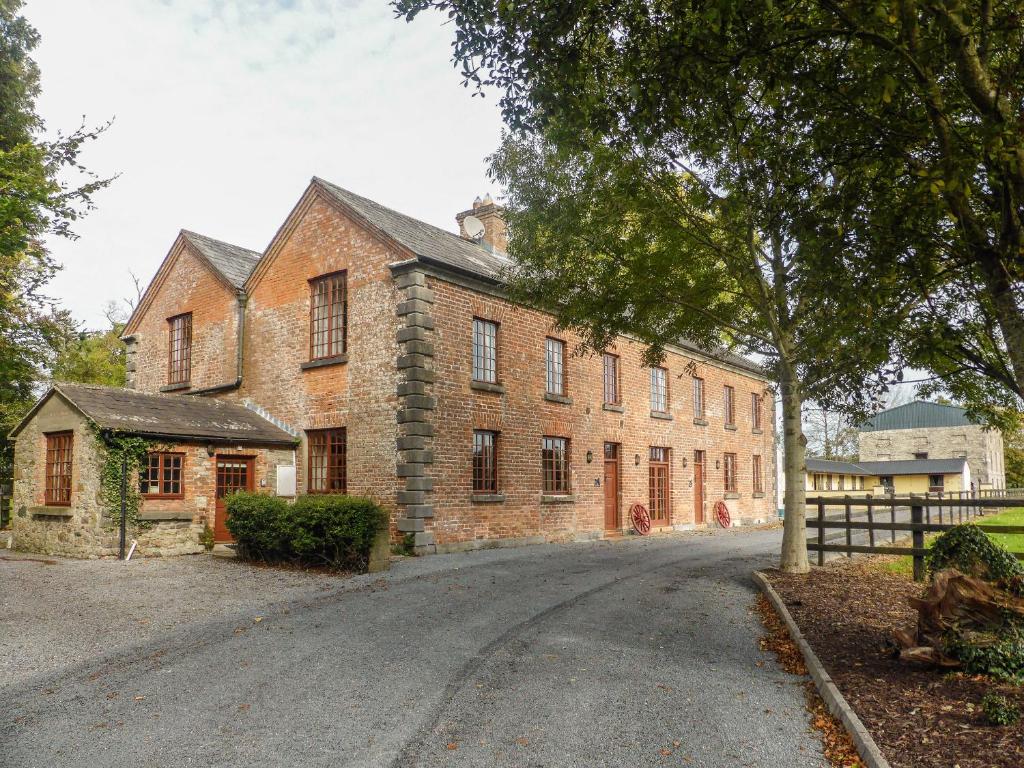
327,465
730,406
729,467
58,469
758,475
328,315
611,379
555,462
179,362
485,461
161,476
756,403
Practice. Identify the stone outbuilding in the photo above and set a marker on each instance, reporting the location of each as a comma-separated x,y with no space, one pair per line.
201,451
923,431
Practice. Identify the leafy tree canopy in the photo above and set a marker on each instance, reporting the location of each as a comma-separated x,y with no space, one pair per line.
44,190
910,113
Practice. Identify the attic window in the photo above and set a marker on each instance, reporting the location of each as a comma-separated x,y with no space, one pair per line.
179,363
328,316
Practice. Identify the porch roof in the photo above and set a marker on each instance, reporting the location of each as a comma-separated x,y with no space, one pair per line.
174,417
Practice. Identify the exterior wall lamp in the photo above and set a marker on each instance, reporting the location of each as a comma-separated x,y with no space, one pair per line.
590,457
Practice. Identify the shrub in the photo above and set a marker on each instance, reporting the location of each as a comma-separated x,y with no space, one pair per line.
332,531
999,711
970,551
999,655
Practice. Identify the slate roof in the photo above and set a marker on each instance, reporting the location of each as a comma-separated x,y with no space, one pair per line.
185,417
232,261
447,249
899,467
836,467
430,243
915,467
917,415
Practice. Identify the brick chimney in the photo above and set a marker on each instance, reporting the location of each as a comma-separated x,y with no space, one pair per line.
490,214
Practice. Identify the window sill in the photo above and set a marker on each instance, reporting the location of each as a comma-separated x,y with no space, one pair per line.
661,415
324,362
487,498
52,511
551,499
700,422
552,398
486,386
613,408
154,517
731,427
732,495
757,495
177,387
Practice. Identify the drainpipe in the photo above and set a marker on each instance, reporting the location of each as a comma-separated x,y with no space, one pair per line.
124,506
242,302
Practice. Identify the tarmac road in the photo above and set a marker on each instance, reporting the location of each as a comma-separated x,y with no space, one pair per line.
640,652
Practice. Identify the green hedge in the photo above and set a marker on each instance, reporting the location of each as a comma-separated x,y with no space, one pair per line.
332,531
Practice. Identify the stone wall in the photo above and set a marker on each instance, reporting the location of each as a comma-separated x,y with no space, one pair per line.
983,448
168,526
78,530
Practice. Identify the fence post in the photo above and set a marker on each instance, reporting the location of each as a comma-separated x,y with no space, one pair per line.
871,524
917,538
821,531
849,532
893,515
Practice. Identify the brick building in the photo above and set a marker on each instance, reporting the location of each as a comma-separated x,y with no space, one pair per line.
389,349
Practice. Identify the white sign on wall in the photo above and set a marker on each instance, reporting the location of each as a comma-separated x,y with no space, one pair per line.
285,480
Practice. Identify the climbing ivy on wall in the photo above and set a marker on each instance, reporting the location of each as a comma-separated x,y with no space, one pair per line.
113,449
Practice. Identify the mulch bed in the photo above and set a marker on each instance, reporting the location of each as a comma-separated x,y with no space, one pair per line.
919,717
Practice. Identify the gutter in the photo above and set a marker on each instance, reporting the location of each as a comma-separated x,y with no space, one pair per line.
243,301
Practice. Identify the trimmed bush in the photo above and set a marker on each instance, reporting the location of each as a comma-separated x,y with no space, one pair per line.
332,531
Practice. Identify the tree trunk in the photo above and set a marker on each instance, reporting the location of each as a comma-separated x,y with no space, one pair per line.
794,532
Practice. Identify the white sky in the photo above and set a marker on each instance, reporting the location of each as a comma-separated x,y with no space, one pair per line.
224,109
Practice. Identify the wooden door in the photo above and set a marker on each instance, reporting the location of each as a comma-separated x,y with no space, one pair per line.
234,473
659,490
698,487
611,487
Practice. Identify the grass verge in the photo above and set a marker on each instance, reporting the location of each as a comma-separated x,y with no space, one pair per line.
904,566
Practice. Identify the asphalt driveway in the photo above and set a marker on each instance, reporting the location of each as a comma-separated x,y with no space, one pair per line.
629,653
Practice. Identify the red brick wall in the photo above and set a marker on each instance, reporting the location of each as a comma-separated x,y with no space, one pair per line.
522,416
189,286
358,394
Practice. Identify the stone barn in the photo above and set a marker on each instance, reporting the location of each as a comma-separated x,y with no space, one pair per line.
200,451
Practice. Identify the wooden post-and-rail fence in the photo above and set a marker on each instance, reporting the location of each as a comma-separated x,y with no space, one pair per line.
916,515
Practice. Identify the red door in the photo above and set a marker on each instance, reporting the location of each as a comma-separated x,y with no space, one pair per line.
611,487
234,473
659,490
698,487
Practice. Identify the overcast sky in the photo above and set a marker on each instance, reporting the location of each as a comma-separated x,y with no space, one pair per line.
224,109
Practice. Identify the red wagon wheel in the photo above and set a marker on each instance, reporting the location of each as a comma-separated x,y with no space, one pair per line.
722,514
641,519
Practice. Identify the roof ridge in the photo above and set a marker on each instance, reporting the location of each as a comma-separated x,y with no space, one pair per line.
399,213
190,233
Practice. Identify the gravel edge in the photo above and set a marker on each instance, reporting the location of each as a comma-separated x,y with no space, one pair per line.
837,705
